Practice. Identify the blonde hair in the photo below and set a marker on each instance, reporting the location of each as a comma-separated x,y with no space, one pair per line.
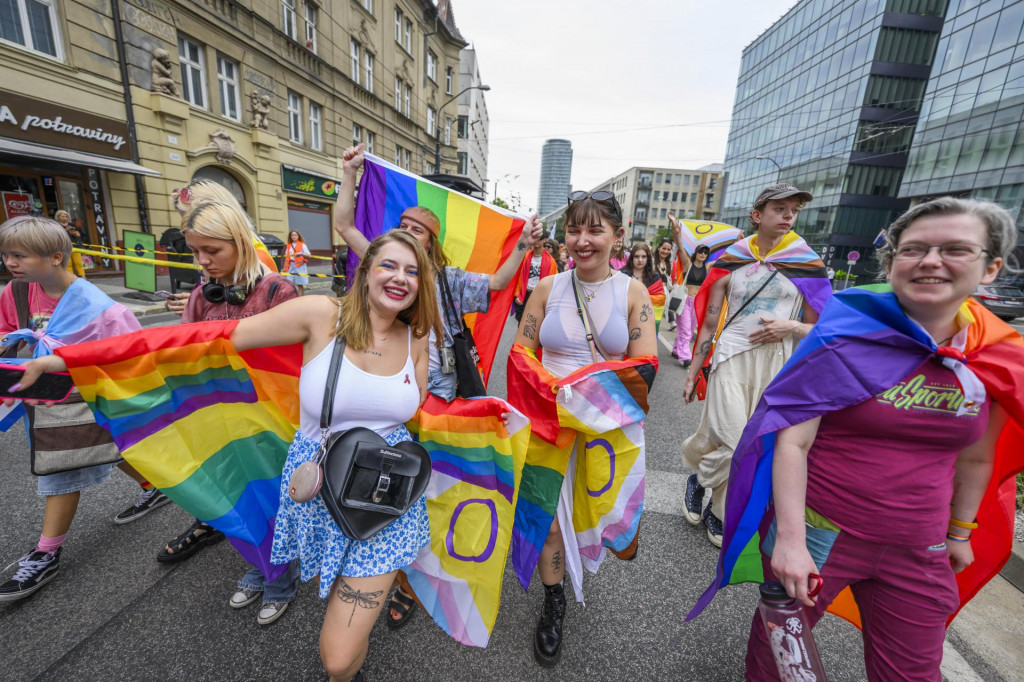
57,215
208,190
37,235
422,315
217,220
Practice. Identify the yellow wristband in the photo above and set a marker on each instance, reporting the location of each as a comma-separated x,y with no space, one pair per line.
962,524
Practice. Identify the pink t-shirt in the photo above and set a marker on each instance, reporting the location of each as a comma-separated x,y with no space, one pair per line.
271,290
883,470
40,308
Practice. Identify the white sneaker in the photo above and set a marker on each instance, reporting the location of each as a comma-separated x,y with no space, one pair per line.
243,597
271,612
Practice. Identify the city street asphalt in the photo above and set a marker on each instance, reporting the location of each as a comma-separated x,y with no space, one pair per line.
114,613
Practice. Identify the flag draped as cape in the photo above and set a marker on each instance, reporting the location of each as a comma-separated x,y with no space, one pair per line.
863,345
548,267
476,236
207,425
477,461
601,407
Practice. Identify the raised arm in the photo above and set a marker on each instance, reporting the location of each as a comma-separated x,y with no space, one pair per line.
677,237
533,232
528,334
643,339
345,211
791,562
706,334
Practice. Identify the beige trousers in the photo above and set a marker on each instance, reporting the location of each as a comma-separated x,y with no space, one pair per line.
734,389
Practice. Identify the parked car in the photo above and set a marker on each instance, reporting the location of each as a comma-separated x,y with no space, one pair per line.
1006,302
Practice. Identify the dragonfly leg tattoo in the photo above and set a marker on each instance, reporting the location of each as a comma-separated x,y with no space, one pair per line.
357,598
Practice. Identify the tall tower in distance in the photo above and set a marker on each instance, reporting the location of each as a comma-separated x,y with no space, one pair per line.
555,170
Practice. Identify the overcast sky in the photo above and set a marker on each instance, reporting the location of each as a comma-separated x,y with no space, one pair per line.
600,72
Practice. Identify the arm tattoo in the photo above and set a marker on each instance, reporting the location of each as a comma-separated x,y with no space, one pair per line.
634,333
705,347
520,246
357,598
714,309
530,328
645,312
556,561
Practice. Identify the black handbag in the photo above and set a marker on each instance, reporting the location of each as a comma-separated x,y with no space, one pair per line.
365,483
467,373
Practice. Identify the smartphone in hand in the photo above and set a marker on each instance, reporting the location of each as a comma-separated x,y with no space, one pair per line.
163,294
54,386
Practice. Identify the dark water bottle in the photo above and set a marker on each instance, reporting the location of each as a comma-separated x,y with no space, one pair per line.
789,636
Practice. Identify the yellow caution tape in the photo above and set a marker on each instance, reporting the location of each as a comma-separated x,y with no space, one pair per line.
174,253
135,259
295,274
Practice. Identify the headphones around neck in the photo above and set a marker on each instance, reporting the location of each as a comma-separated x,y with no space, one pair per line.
236,294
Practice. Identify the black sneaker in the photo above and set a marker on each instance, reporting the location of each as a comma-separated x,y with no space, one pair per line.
148,501
693,501
35,569
714,526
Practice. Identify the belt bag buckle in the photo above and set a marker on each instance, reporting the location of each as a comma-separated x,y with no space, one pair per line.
383,483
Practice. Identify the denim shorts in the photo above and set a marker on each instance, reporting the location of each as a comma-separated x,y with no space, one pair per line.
74,480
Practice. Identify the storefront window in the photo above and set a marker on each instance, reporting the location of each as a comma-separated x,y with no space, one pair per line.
31,24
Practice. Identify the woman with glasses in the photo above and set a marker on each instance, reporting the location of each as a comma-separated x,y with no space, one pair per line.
470,293
695,271
880,479
622,318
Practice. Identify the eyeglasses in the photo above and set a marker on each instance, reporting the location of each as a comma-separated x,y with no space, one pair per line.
599,195
952,252
183,195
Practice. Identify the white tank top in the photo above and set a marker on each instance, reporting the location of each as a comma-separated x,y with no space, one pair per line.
378,403
562,335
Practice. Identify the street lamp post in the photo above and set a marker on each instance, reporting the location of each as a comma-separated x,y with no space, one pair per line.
778,168
437,123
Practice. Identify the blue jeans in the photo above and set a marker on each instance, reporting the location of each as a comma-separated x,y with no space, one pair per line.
280,591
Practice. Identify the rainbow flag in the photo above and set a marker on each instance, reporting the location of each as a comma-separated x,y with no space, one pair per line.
600,407
207,425
657,292
476,236
865,344
715,236
477,462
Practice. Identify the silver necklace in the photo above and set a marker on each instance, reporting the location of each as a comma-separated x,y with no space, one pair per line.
588,295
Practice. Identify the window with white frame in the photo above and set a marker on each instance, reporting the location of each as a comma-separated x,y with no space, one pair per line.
463,163
448,78
408,36
227,78
371,138
447,131
431,121
316,131
368,70
398,155
406,159
398,94
399,20
463,127
357,134
430,168
289,23
31,24
353,52
431,65
408,99
294,117
193,72
367,5
311,16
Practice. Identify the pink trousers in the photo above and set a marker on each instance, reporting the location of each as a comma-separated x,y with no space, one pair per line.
686,327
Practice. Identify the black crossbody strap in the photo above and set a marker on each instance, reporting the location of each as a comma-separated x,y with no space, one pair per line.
337,355
584,313
448,303
747,302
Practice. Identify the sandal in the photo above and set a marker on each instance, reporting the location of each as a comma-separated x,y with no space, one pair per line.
190,542
404,605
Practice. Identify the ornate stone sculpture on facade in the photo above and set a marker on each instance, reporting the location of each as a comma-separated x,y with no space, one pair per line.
162,73
259,105
225,146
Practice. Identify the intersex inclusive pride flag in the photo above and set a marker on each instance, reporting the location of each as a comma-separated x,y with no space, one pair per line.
476,236
863,345
477,462
600,407
207,425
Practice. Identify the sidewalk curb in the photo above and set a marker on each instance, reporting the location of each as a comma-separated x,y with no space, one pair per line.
1013,571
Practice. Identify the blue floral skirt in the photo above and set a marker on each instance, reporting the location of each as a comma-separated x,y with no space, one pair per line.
308,531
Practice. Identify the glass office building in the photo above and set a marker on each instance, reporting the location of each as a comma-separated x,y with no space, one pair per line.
555,173
970,138
828,99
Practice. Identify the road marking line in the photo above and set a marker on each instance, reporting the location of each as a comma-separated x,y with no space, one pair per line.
955,668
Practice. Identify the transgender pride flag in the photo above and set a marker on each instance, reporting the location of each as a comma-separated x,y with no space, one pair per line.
476,236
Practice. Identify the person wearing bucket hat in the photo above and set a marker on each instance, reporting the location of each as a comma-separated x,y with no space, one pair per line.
764,317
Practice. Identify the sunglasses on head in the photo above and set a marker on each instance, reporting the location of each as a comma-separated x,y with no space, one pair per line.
183,195
599,195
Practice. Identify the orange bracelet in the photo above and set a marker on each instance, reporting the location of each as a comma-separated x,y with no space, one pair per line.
963,524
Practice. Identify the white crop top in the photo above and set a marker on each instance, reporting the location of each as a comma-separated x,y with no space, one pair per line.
379,403
562,335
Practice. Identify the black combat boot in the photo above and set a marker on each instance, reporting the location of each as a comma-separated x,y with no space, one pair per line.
547,644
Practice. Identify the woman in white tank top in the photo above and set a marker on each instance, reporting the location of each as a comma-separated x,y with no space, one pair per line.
385,319
623,325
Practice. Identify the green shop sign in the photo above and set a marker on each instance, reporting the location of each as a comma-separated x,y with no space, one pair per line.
300,180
